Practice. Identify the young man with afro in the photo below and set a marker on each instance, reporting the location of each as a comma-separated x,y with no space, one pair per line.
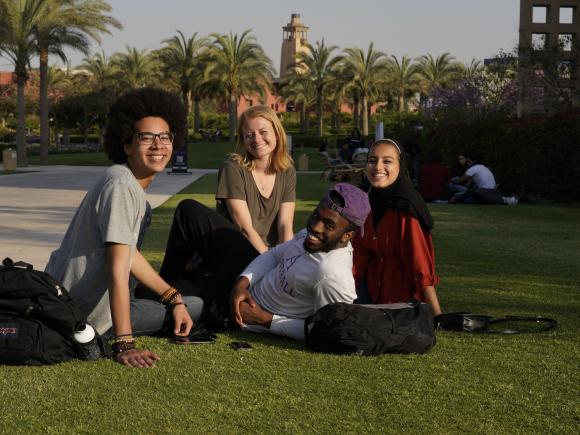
100,250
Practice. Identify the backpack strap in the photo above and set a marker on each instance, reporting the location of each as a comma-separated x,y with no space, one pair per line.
7,262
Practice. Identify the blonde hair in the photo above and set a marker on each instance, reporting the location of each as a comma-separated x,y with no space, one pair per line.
281,159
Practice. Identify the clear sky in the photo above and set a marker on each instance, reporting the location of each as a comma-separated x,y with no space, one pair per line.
465,28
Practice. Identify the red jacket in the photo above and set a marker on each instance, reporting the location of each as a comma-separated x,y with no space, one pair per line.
397,261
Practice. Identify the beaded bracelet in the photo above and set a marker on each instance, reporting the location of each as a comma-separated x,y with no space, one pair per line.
124,337
169,296
121,346
178,303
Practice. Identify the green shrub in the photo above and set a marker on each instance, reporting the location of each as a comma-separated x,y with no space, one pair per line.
534,155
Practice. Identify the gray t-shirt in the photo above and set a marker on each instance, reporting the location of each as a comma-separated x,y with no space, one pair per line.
112,211
236,182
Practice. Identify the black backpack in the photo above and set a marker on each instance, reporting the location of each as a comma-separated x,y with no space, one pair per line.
371,329
38,319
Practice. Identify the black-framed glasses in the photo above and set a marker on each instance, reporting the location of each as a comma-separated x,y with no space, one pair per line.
148,138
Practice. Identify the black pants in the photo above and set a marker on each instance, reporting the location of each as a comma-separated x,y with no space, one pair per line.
198,231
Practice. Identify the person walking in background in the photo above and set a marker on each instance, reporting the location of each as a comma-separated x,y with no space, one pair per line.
394,259
257,185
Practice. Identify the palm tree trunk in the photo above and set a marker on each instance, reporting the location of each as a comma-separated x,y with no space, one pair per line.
43,103
401,102
303,115
196,112
233,117
355,110
21,156
319,113
365,117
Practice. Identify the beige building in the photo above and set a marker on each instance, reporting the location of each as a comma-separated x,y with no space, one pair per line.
549,55
294,40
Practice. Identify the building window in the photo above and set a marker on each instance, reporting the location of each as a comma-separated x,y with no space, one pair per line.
565,41
539,41
537,93
566,15
565,94
539,14
565,69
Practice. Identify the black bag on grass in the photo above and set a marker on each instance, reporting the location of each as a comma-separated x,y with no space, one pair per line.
38,319
371,329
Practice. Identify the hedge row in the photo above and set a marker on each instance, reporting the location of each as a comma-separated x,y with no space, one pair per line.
534,155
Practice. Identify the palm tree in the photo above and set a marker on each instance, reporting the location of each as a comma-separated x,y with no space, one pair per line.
100,69
404,79
180,62
239,66
66,23
318,65
471,70
298,88
438,72
134,69
368,72
18,19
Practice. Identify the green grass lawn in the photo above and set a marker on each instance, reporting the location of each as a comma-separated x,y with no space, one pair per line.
201,155
521,260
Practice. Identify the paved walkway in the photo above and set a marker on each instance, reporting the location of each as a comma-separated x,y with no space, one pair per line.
36,206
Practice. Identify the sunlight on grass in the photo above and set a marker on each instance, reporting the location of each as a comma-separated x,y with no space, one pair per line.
494,260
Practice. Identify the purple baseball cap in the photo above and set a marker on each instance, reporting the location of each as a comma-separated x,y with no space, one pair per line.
356,204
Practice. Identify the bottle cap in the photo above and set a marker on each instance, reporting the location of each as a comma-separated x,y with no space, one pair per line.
84,334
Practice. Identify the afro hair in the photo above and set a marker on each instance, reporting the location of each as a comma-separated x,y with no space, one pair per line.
136,105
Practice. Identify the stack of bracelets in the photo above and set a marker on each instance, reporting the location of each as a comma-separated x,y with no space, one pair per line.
170,296
125,342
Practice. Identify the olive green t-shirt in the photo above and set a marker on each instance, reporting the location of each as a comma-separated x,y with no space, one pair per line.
236,182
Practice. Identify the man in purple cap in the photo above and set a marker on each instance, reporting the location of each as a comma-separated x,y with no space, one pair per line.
282,287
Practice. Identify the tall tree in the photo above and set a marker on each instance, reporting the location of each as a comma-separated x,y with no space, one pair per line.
438,72
135,68
318,65
300,90
100,69
18,19
66,24
369,71
404,80
238,66
180,62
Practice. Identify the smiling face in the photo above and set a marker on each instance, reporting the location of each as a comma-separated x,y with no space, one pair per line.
259,138
327,230
383,165
145,161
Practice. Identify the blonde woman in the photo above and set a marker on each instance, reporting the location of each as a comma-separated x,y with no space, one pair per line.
257,184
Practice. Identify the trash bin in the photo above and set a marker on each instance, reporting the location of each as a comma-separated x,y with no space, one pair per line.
9,159
303,163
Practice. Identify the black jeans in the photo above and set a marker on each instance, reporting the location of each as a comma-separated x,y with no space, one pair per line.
224,252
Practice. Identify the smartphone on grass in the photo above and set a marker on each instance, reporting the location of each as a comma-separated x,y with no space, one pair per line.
241,345
196,339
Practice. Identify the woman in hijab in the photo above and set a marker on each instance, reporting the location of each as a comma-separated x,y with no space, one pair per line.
394,259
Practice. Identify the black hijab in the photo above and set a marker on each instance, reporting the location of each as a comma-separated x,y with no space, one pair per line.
401,195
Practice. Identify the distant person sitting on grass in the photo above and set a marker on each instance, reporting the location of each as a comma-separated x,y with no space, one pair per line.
433,178
477,185
100,250
278,289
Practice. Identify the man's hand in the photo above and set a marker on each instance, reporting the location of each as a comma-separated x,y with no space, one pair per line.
182,320
137,358
255,315
240,293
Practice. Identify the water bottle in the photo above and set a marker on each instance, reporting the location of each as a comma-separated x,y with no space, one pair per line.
89,347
